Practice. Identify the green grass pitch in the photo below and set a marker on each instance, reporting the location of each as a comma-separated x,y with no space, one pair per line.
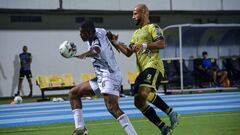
222,123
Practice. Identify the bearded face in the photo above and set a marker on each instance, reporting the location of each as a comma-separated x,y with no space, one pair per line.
137,16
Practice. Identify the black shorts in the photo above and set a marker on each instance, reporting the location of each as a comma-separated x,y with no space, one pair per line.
26,73
150,78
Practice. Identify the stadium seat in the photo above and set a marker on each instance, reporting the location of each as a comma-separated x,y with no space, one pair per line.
68,80
53,83
188,78
87,76
56,80
43,81
171,73
131,77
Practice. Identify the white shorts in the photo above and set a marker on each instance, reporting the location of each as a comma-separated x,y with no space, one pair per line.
109,84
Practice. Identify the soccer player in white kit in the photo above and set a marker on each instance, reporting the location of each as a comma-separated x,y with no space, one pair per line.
107,82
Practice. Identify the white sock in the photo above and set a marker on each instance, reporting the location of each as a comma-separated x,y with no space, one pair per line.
78,118
126,124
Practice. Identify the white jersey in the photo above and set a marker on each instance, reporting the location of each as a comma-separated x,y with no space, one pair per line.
109,78
105,61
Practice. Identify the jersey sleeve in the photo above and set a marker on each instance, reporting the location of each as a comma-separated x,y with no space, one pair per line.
156,32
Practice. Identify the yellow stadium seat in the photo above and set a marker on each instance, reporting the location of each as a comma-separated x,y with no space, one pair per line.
43,81
68,80
53,83
93,75
87,76
56,80
132,77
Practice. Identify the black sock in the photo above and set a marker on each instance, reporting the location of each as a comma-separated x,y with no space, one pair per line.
159,103
151,114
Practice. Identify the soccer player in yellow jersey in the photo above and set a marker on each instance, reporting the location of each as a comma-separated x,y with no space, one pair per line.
145,43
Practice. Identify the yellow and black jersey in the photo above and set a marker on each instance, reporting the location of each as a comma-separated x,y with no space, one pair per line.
148,58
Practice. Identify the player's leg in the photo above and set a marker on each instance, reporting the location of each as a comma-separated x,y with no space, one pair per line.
159,103
140,101
75,94
20,81
30,86
111,102
156,100
214,76
29,78
110,87
146,84
223,75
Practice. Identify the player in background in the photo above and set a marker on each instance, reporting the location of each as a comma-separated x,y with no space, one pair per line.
145,43
107,82
25,70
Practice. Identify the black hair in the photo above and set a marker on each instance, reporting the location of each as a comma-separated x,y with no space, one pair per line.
204,53
88,25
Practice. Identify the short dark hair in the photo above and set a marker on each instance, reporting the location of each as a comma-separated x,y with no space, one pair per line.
204,53
88,25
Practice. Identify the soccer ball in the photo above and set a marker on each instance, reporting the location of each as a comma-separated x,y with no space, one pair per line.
67,49
18,99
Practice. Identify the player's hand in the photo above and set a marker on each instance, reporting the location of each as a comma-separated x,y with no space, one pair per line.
113,39
137,47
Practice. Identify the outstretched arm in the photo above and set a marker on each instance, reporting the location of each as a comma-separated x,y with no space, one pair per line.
119,46
91,53
127,51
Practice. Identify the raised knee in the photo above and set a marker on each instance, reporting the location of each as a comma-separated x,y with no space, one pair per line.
73,92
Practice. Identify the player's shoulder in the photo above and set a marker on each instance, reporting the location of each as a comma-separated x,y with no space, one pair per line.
23,54
154,26
101,31
101,34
